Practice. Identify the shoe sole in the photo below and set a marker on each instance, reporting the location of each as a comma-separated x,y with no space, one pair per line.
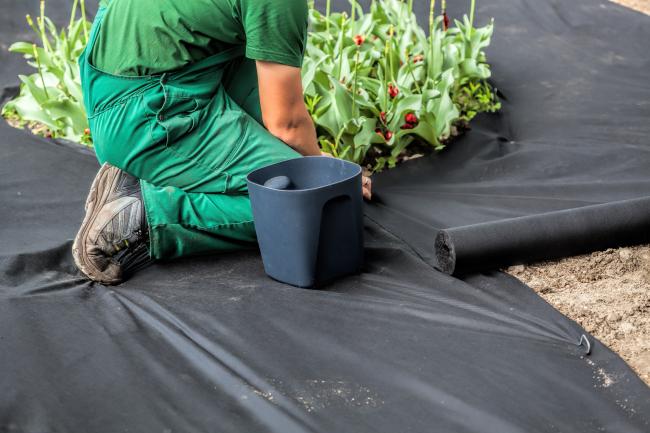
99,193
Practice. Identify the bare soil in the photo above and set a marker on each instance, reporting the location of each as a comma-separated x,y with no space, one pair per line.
607,293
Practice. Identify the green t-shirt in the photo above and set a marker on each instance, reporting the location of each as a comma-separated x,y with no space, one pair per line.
143,37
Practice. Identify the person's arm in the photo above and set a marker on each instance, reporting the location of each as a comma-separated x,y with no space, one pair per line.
283,108
284,112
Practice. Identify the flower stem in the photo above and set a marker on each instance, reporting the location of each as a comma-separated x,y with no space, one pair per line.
353,12
389,43
40,69
471,13
328,10
73,14
417,87
342,40
445,19
432,31
387,66
354,86
30,23
83,17
432,7
410,6
41,28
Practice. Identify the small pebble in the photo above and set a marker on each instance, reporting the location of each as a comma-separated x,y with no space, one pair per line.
613,317
625,254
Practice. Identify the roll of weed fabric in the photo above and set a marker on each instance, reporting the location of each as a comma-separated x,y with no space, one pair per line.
552,235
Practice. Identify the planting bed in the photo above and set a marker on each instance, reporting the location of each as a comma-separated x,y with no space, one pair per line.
380,89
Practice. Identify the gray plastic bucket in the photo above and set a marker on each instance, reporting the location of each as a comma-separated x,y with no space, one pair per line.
308,219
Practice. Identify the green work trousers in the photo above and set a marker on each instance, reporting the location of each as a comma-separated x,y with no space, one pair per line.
191,136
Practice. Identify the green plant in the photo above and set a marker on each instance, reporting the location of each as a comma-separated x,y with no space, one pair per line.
50,100
376,85
475,96
378,88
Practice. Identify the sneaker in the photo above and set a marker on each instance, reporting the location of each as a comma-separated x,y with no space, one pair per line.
113,241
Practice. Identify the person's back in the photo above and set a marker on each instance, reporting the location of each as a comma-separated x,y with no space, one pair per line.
144,37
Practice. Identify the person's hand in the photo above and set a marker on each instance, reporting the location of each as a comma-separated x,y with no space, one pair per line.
366,187
366,182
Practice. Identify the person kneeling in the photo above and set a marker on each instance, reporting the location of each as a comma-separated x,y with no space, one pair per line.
179,116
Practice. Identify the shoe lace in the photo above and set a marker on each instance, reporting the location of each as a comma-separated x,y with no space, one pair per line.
133,256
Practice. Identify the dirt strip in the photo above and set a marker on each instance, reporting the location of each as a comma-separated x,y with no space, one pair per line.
607,292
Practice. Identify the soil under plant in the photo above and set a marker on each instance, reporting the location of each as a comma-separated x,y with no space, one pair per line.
607,293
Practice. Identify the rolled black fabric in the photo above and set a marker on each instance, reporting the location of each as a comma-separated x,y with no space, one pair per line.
539,237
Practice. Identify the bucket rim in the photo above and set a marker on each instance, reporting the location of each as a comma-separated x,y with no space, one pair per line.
357,168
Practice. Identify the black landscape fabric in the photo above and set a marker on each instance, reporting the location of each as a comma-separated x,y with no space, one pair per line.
211,344
573,132
549,235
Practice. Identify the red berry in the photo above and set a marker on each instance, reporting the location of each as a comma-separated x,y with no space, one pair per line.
411,118
382,117
445,21
359,39
418,58
388,135
393,91
407,126
378,131
87,131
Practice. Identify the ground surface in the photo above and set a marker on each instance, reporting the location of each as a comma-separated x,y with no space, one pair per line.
607,292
